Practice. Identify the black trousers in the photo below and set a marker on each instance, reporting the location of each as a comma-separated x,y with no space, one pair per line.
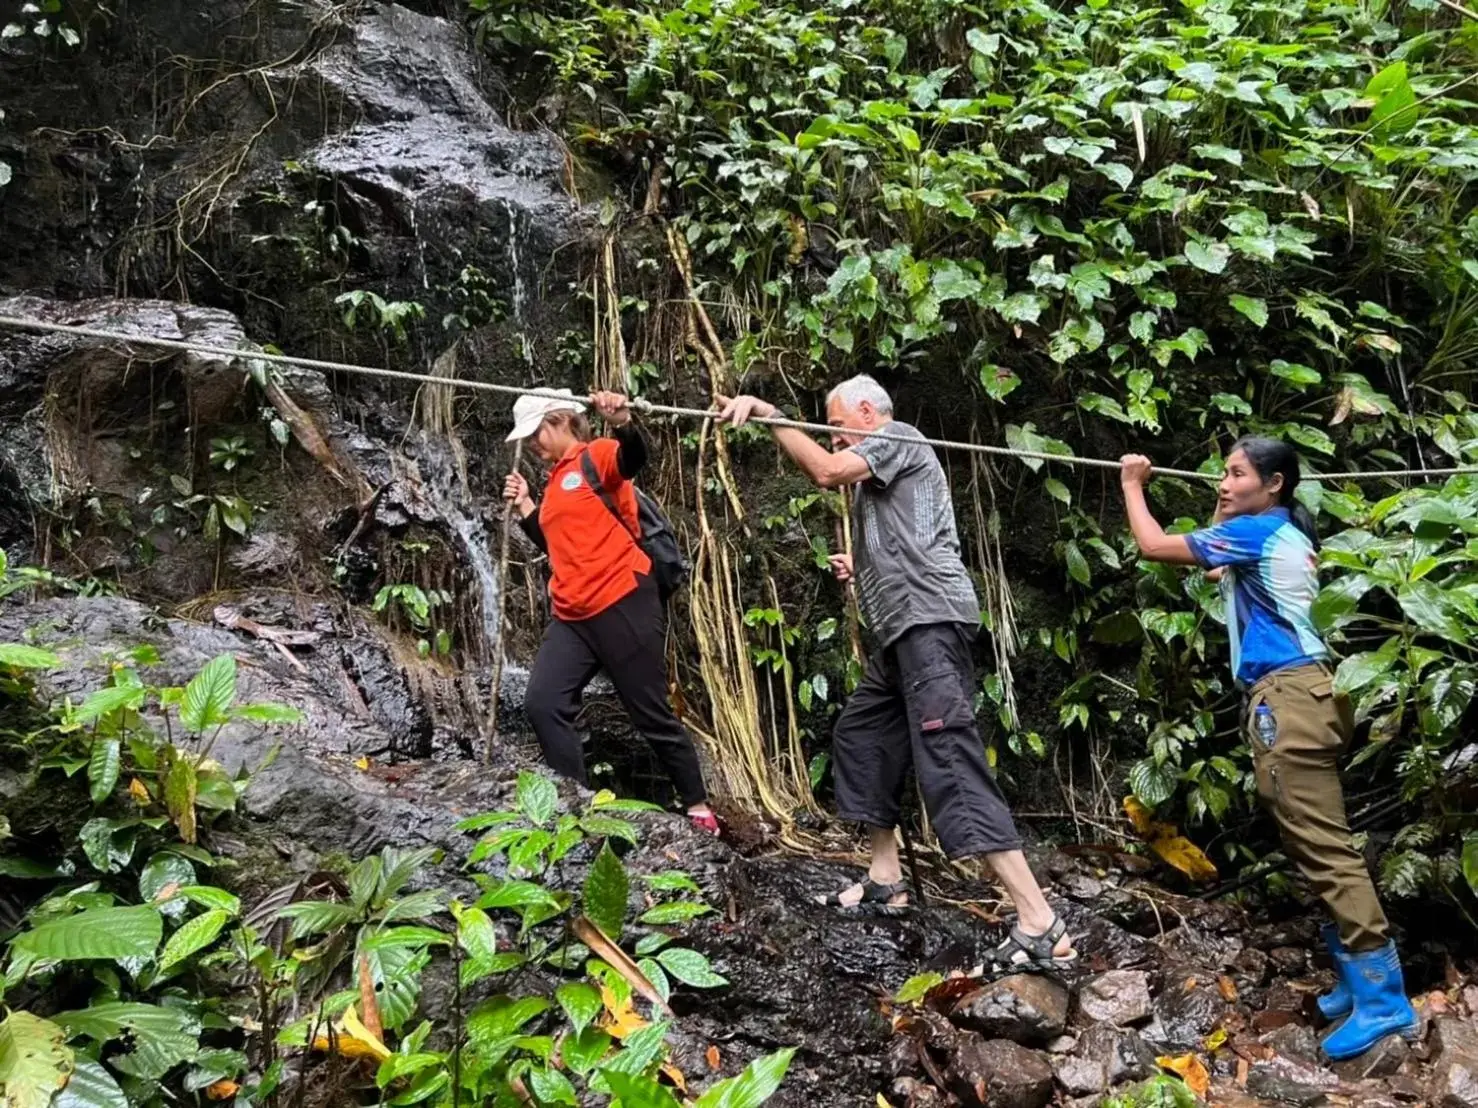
914,706
628,641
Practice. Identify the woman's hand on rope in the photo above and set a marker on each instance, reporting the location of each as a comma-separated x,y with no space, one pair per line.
741,409
1134,469
516,491
841,565
613,407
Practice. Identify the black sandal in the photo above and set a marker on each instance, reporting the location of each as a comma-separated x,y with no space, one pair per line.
1020,951
874,897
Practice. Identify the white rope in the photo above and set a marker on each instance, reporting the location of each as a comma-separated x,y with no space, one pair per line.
22,324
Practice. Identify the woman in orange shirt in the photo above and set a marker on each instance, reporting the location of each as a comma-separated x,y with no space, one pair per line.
607,611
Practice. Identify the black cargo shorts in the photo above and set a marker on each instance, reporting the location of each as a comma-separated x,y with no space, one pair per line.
914,707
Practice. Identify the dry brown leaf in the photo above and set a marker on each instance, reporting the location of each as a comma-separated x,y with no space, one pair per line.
222,1090
368,1001
166,893
1244,1067
1190,984
1228,988
713,1058
1189,1069
593,937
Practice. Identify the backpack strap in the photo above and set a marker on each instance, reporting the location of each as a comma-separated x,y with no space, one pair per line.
592,478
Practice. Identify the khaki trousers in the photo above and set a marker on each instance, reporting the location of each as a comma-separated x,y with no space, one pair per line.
1298,780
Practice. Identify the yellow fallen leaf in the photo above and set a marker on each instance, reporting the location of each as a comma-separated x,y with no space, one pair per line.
1217,1039
675,1075
1138,815
1189,1069
620,1018
362,762
1186,856
884,1102
139,791
222,1090
352,1039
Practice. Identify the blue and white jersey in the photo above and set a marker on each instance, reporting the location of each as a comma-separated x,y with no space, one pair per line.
1269,587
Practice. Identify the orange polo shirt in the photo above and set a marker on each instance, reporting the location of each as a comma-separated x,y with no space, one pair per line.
593,558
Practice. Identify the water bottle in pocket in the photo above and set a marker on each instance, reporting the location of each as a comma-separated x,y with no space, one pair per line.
1265,725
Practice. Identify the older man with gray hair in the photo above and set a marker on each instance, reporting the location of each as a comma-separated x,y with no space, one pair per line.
914,705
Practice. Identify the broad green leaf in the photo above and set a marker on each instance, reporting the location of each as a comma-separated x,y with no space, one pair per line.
313,917
581,1003
1395,110
1250,306
209,695
1152,783
90,1086
98,933
637,1091
583,1052
639,1050
1218,153
674,911
502,1017
672,881
195,935
917,986
268,714
103,765
759,1081
476,934
180,785
108,843
1470,862
537,797
208,896
35,1060
691,968
606,890
19,656
162,871
1210,256
105,702
610,827
551,1086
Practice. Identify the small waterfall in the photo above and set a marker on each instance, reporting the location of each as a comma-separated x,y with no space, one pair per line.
444,491
519,303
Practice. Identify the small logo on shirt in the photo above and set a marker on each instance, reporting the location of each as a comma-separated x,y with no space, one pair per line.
570,482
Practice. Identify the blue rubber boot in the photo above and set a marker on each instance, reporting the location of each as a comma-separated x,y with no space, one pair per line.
1338,1001
1380,1004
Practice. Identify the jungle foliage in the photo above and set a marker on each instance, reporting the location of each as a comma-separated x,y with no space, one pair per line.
1089,227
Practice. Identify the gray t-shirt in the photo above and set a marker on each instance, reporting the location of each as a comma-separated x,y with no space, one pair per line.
905,549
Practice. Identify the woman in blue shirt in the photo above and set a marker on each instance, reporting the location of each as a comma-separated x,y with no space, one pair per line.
1263,547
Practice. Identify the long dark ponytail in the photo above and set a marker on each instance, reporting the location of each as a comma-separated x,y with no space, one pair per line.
1272,457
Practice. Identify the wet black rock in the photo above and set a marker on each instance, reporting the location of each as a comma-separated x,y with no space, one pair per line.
997,1073
1103,1058
1026,1008
1118,997
1382,1060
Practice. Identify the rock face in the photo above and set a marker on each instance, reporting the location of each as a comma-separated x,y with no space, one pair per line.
363,149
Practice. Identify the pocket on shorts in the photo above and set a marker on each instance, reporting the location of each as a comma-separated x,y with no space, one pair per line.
938,702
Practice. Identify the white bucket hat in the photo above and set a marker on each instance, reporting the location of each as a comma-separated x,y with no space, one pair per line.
530,411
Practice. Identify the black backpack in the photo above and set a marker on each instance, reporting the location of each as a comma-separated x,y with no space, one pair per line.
657,539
